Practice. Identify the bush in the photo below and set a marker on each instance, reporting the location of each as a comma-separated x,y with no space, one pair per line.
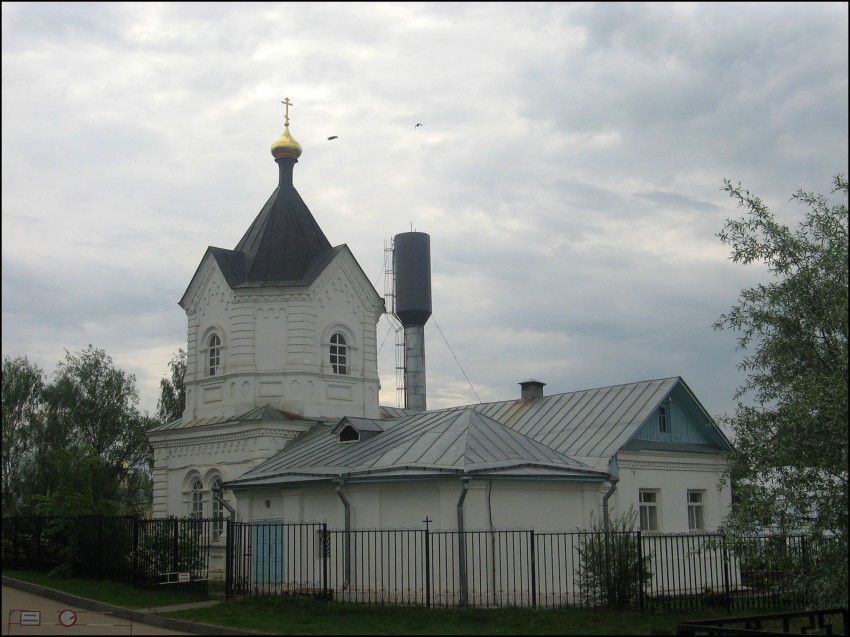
612,572
170,546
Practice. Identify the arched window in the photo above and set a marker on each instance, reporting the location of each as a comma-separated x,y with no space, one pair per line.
214,354
197,498
217,509
339,354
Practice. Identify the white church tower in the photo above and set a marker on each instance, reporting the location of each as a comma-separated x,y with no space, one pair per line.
281,334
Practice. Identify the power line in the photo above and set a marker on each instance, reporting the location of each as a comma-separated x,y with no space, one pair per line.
434,321
392,328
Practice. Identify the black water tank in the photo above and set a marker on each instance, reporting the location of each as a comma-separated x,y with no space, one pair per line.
412,265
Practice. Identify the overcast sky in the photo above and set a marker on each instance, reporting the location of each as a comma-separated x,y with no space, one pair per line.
568,169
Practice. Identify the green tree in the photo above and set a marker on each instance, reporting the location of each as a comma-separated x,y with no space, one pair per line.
789,465
172,392
91,411
22,404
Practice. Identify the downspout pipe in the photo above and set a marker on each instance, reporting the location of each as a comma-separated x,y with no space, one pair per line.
613,478
461,554
605,517
346,547
216,493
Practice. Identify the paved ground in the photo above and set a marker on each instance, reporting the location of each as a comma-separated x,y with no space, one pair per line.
22,599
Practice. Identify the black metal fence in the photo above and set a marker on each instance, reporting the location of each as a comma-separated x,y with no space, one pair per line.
624,570
494,568
167,552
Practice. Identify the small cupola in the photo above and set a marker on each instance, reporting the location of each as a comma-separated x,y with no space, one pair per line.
285,146
531,389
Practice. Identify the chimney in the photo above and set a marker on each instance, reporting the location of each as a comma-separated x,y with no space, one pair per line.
531,389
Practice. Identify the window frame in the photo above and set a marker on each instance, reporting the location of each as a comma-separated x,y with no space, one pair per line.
217,509
663,420
213,354
649,510
338,354
196,498
696,510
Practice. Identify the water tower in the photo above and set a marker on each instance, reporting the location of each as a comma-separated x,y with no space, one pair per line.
412,267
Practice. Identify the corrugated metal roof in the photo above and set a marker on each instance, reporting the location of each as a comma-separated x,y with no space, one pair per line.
283,247
264,412
360,424
283,241
434,443
592,423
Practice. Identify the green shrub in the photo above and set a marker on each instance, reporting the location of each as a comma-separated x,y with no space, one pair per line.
612,572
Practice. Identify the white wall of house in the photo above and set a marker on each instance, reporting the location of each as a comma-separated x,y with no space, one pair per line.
672,476
499,504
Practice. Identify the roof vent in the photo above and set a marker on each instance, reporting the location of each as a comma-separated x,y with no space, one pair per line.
349,434
356,429
531,389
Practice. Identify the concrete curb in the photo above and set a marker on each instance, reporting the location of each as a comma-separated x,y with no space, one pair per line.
141,617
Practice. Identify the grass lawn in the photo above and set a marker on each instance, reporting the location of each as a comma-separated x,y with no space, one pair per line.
117,594
298,615
290,616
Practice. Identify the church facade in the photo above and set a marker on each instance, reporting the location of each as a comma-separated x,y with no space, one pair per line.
282,418
281,335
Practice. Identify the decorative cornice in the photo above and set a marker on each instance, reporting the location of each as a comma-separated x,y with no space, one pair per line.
190,437
675,466
240,296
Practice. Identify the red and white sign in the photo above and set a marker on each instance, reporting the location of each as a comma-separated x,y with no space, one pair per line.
30,618
67,617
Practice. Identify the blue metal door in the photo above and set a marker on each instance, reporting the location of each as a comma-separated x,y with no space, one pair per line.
267,539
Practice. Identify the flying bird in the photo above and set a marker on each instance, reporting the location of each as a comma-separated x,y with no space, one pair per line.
333,137
417,125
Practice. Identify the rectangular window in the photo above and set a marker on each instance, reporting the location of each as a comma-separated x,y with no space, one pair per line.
662,419
696,515
648,510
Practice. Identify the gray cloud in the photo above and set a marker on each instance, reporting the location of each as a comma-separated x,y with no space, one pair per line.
568,170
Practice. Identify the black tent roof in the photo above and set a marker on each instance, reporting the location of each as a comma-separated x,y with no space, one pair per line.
284,245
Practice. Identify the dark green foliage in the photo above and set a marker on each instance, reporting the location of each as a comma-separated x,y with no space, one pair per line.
76,446
612,571
169,546
789,466
172,396
22,401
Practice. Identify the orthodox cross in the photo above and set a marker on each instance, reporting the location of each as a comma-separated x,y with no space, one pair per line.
286,103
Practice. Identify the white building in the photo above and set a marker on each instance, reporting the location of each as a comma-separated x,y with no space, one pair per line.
282,409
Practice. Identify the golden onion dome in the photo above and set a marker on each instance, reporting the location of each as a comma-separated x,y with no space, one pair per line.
285,145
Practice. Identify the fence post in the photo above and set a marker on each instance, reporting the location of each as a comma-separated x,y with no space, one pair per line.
101,521
15,544
176,548
228,559
326,542
641,574
427,522
136,576
533,571
727,585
